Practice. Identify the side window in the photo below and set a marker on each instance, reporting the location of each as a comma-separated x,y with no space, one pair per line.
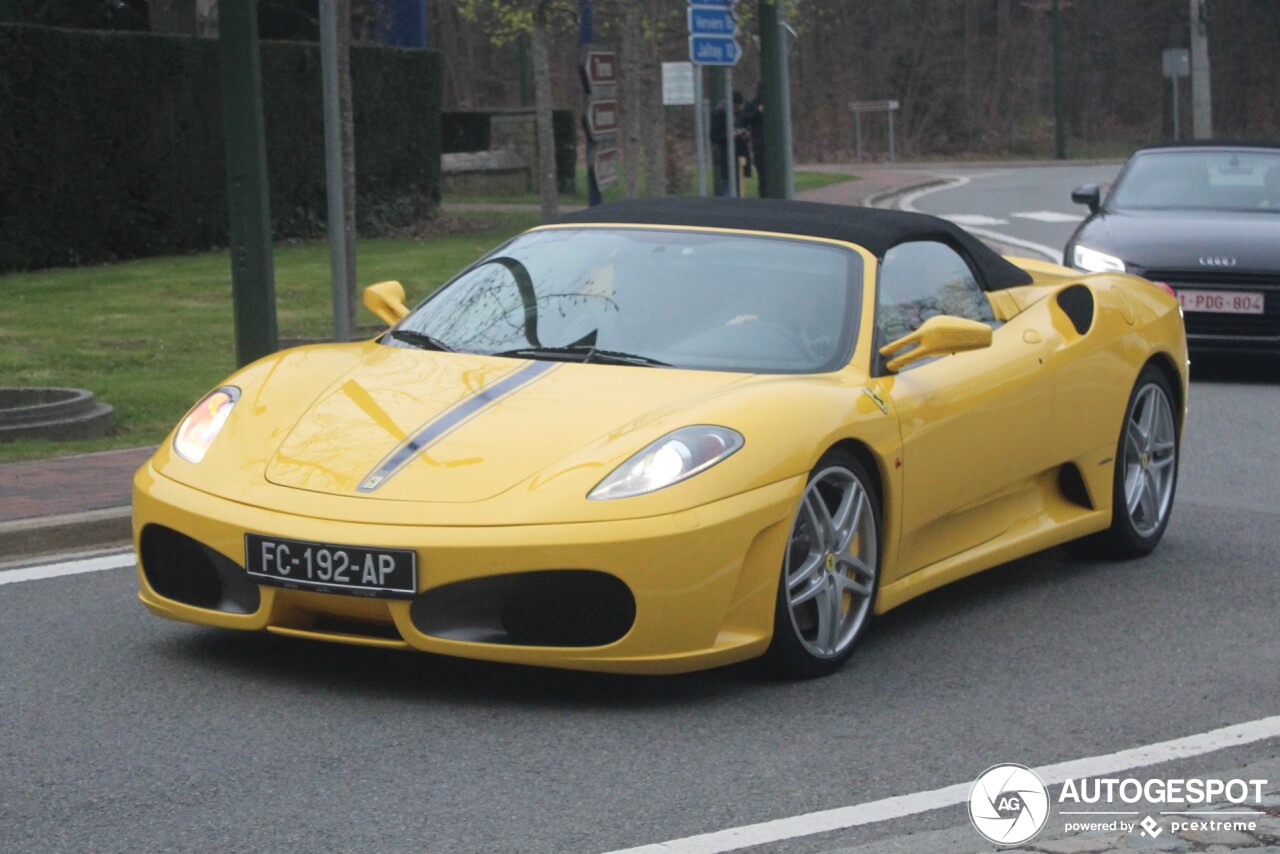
922,279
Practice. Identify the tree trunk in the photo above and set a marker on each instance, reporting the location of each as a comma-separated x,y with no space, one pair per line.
546,166
654,120
632,96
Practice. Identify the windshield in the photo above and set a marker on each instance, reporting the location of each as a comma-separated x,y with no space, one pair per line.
685,299
1200,180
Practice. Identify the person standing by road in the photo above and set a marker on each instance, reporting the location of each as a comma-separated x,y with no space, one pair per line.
751,120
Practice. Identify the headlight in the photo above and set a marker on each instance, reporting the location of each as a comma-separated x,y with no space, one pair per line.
198,429
675,457
1093,261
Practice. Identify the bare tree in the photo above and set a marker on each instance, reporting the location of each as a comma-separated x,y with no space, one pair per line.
631,69
506,19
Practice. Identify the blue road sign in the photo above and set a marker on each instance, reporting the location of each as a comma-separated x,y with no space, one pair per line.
714,50
718,4
705,21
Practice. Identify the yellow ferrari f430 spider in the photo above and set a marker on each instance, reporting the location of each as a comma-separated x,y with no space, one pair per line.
659,436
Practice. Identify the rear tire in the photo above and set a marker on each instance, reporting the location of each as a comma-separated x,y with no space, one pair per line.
830,572
1146,474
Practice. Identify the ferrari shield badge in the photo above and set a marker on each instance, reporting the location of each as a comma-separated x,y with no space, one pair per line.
879,401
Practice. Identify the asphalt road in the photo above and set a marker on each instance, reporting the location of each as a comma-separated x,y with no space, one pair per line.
123,732
1029,206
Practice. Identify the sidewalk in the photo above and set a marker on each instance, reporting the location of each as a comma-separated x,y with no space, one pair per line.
67,504
82,502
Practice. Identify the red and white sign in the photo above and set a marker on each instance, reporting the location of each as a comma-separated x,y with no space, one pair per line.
1222,302
601,68
603,117
606,168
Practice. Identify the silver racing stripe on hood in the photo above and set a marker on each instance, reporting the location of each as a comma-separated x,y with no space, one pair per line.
443,423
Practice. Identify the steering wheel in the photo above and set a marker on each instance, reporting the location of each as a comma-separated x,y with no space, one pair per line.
781,333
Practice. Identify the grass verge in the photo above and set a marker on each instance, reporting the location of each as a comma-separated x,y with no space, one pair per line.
150,336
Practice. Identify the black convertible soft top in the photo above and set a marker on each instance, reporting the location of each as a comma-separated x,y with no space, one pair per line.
874,229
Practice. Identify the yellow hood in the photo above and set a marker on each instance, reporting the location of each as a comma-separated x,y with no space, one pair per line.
412,425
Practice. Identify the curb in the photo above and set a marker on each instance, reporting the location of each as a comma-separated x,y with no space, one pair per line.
91,529
875,200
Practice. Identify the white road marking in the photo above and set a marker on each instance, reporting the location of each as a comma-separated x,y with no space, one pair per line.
901,806
907,203
974,219
71,567
1054,255
1047,216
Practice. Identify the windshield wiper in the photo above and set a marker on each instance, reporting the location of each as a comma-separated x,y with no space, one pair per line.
614,357
420,339
583,353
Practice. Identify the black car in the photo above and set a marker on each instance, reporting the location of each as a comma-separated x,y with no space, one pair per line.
1203,218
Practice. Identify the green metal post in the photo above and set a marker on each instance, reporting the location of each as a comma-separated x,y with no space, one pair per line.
252,272
713,91
775,176
1059,97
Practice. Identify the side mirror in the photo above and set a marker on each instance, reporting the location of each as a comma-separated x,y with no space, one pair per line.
1088,194
937,336
386,299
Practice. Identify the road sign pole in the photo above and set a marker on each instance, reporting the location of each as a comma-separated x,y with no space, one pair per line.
712,31
586,23
700,129
1176,119
776,172
335,195
252,270
1059,95
893,154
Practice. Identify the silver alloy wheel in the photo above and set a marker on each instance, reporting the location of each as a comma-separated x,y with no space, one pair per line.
1150,457
830,567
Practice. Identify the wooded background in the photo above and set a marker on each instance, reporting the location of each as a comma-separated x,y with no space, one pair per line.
974,77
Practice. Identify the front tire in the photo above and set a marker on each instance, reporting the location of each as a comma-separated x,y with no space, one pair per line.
1146,469
830,572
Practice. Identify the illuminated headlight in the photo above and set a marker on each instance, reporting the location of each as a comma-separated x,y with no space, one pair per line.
1093,261
675,457
201,426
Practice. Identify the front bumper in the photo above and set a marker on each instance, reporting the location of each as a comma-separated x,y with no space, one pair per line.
1209,331
704,581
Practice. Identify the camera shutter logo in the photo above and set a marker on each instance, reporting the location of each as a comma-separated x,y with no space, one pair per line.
1008,804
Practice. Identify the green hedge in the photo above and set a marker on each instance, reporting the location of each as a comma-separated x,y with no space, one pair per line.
111,143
